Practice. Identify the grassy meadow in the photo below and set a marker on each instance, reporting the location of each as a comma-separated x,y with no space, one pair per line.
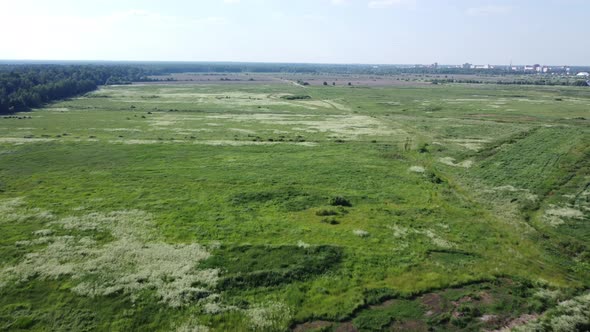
280,207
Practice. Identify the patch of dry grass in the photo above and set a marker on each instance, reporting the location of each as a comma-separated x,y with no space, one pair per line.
449,161
401,232
133,262
417,169
556,216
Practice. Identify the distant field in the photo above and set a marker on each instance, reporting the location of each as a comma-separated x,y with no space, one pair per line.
358,80
276,207
311,79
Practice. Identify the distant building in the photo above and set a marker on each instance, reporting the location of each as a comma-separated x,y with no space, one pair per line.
560,70
583,74
482,67
537,68
467,65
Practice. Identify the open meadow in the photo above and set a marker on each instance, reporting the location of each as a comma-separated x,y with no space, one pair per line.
270,206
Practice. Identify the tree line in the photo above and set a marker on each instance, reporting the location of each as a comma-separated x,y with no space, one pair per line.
23,87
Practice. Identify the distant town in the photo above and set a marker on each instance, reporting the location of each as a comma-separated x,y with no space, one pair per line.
531,69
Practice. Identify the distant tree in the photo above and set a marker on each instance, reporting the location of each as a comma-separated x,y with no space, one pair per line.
334,83
349,84
325,83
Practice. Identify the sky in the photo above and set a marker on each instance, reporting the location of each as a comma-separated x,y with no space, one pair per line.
552,32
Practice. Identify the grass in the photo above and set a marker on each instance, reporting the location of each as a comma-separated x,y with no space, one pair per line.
241,207
260,266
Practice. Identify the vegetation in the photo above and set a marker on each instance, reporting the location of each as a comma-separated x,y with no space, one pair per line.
25,87
571,315
243,267
543,80
340,201
296,97
230,208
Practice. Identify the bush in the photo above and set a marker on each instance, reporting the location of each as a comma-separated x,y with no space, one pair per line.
339,201
330,221
434,178
423,148
325,213
296,97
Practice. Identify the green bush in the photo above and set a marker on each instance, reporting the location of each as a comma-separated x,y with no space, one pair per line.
339,201
331,221
326,213
296,97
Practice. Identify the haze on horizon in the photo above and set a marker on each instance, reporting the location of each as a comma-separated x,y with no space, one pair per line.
550,32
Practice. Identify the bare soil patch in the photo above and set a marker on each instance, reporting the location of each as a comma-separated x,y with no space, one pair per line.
523,319
346,327
384,305
486,298
409,325
311,326
434,302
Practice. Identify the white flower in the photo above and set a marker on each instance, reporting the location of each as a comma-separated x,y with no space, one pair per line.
360,232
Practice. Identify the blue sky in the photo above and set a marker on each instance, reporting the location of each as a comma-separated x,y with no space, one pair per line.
324,31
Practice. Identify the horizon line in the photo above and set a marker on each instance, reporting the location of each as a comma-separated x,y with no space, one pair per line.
47,61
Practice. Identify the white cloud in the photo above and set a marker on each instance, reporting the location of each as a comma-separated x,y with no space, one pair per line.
376,4
488,10
211,20
100,36
231,1
164,21
338,2
314,17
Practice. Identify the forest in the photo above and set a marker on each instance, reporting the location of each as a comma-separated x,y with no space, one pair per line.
23,87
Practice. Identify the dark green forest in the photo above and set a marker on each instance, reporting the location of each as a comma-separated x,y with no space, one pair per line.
26,86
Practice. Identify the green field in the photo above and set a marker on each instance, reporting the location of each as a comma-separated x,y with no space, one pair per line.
279,207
